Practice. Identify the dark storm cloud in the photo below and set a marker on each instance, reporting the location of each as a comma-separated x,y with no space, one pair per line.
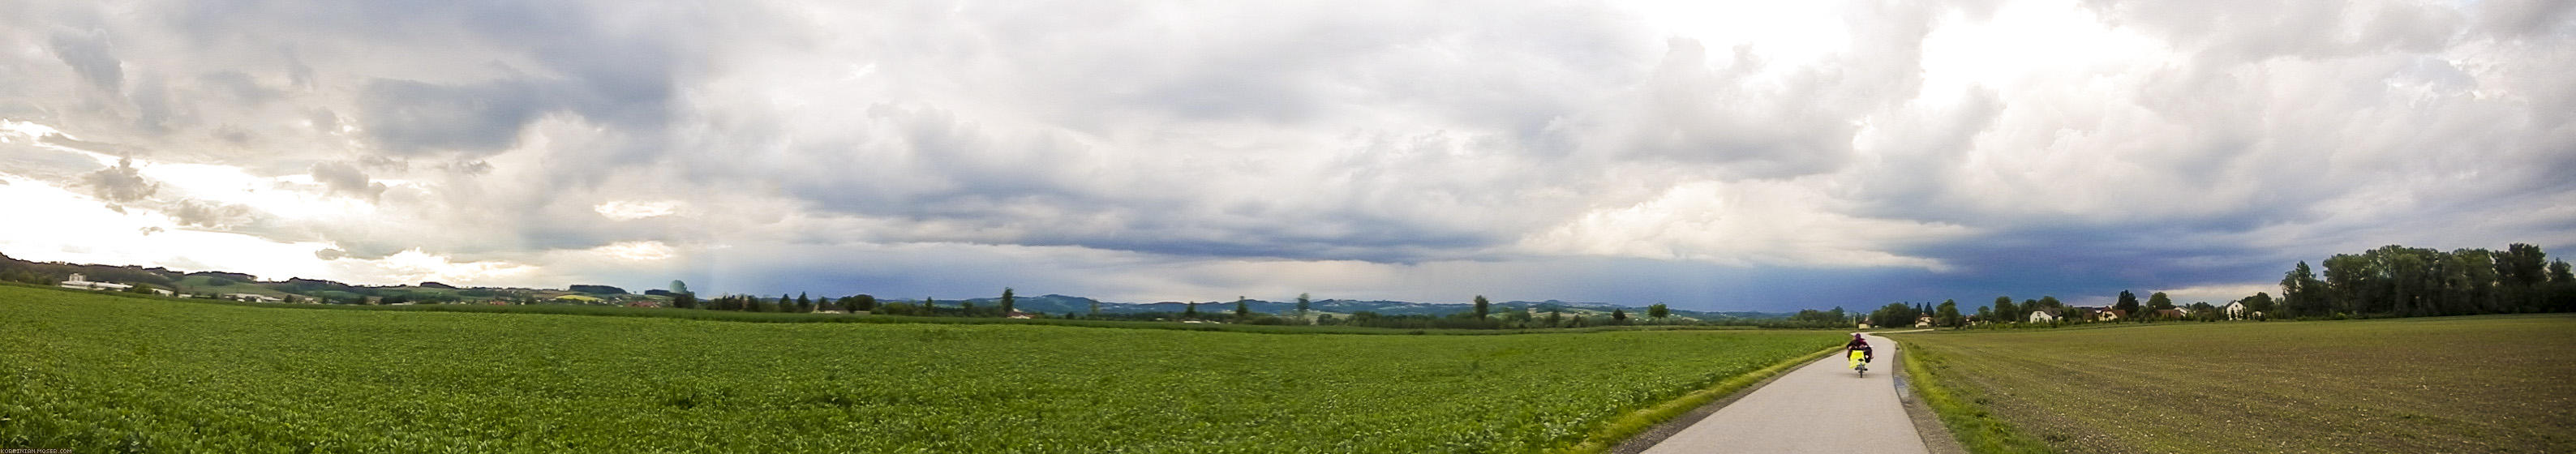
91,56
409,117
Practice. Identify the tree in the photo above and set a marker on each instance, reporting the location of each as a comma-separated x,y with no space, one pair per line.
1658,312
1948,314
1008,301
929,306
1095,308
2006,311
866,302
2158,301
1482,307
1619,315
1191,310
1242,308
2259,303
1305,302
2128,305
684,300
2301,292
1555,315
804,303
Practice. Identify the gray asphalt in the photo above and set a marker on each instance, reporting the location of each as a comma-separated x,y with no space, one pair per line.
1819,408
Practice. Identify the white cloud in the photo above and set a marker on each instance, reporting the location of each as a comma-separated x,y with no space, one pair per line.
1767,223
637,250
628,210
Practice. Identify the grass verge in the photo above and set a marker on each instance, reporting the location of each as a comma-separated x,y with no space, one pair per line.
1960,409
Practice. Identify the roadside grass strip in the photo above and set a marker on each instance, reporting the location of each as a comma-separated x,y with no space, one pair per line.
1962,409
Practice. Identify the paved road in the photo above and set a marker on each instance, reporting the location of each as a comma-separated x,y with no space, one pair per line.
1819,408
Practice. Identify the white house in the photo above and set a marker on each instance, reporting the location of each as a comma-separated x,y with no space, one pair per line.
2236,310
2042,317
79,282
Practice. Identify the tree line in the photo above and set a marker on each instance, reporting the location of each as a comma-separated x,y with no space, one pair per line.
2399,281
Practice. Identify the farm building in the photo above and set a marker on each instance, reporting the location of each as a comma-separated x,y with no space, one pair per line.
2108,315
252,297
2236,310
79,282
2042,317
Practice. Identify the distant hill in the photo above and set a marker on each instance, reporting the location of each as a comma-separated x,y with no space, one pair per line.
219,283
1059,304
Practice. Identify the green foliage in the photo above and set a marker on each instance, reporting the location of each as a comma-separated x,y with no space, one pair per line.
1007,301
2158,302
96,372
2398,281
1658,311
1483,307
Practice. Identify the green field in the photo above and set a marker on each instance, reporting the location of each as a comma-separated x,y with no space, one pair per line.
106,374
2450,384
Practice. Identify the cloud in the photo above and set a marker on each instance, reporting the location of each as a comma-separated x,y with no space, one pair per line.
345,179
1746,224
628,210
414,117
211,215
91,56
120,184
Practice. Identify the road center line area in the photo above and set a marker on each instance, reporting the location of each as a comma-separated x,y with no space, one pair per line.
1821,408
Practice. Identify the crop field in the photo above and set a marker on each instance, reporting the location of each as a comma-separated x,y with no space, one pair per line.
111,374
2449,384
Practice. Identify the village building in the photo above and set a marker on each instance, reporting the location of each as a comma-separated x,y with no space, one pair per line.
2108,315
2042,317
2236,310
252,297
79,282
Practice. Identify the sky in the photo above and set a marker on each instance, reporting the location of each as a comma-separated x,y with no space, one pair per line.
1713,155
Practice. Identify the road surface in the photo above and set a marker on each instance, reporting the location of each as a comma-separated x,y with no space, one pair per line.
1819,408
